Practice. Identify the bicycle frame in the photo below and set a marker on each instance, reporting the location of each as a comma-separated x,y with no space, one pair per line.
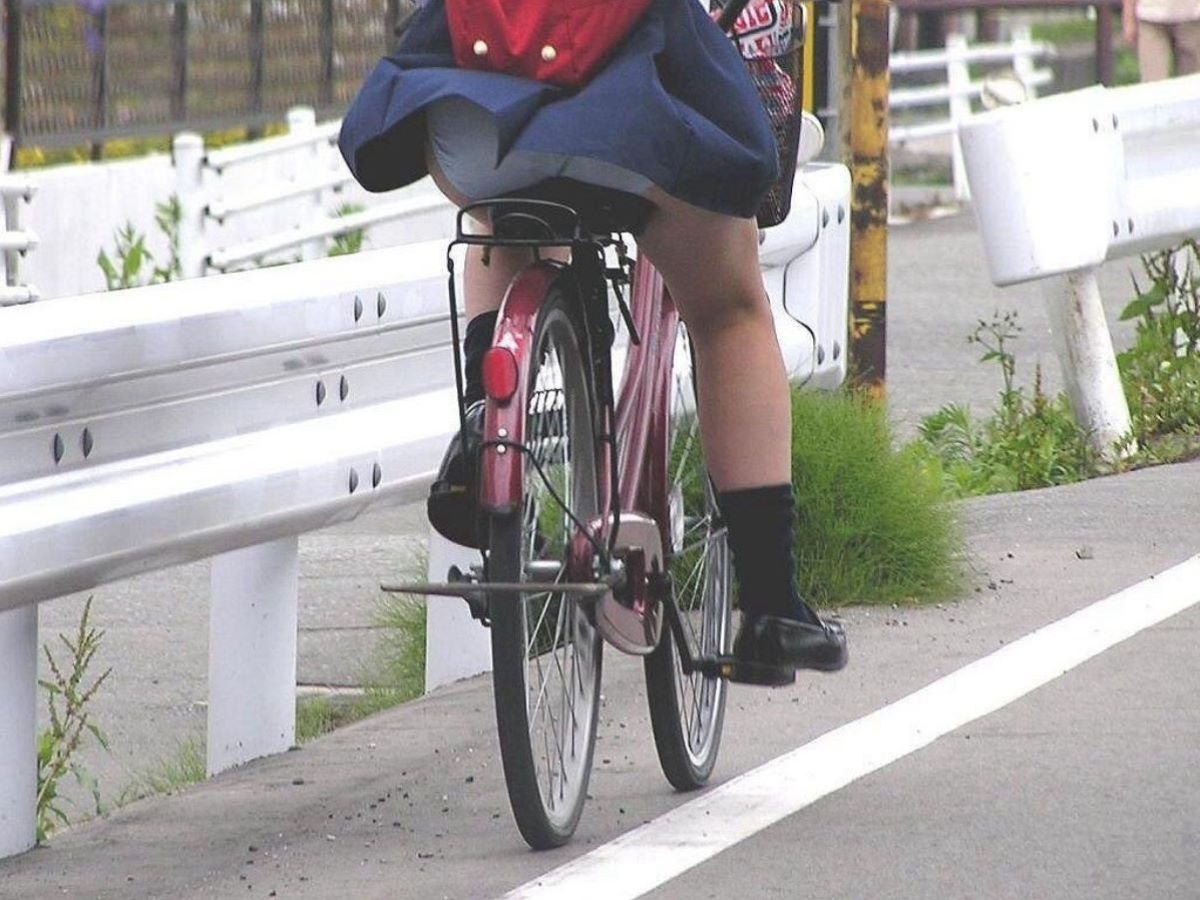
643,408
641,428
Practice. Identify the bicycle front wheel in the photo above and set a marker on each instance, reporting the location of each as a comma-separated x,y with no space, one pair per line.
546,653
687,711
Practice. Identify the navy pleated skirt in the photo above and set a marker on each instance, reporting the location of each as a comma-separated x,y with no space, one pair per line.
675,106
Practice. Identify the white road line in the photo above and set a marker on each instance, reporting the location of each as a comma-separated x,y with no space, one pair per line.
642,859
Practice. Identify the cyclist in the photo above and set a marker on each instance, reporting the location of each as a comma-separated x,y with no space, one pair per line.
672,116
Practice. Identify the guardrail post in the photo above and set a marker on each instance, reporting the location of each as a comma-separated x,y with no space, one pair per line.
188,152
456,646
252,653
1089,363
301,120
958,79
18,727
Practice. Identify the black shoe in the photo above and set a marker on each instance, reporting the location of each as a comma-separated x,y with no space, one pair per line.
453,506
769,649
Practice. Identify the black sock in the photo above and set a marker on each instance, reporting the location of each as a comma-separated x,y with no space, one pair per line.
760,522
476,342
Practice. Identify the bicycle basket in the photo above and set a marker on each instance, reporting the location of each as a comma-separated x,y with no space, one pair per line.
770,37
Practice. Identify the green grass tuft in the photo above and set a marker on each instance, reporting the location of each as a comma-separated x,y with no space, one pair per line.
873,523
399,665
186,766
395,673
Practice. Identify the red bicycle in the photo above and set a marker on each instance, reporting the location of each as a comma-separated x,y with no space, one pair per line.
599,519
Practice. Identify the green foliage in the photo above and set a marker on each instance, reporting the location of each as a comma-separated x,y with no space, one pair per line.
132,257
395,674
399,665
351,241
68,697
1080,29
1161,370
1077,29
1029,441
873,524
170,774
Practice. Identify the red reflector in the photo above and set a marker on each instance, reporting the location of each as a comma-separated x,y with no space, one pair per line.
500,374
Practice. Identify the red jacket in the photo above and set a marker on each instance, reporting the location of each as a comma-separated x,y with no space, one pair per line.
562,42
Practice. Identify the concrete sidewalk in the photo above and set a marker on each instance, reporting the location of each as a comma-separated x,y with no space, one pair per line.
411,803
156,640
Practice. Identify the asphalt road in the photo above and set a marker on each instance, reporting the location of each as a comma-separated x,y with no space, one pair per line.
1084,788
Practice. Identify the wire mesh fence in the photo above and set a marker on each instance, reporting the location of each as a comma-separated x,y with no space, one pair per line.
80,71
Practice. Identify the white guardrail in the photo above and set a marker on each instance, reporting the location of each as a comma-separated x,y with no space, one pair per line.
959,89
1062,184
309,172
223,417
16,241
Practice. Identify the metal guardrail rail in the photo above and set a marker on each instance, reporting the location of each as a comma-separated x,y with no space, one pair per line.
1062,184
219,416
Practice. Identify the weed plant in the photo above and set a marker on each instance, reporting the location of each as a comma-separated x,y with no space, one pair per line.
135,265
1029,441
394,675
1161,370
351,241
68,697
186,766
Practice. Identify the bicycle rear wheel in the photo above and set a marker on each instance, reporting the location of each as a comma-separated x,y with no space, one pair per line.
546,653
687,711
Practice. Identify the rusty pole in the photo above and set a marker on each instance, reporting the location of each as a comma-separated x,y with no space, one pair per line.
863,27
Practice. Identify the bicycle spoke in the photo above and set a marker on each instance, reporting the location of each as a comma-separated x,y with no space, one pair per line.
690,713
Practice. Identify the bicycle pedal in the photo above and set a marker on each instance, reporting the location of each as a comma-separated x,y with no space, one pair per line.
740,671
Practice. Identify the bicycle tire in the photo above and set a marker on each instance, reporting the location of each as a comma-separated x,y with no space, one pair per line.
687,712
547,796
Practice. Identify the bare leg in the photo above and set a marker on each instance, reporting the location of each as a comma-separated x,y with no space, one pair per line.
486,276
710,265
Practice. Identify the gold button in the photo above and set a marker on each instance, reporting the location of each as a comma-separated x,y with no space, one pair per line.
549,54
480,48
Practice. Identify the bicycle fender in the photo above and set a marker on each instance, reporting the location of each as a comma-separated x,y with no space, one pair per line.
500,476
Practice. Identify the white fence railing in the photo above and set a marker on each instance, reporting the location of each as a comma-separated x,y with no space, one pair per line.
225,416
305,173
959,89
16,240
1062,184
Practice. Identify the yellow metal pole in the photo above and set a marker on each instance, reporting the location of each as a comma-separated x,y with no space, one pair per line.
863,27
